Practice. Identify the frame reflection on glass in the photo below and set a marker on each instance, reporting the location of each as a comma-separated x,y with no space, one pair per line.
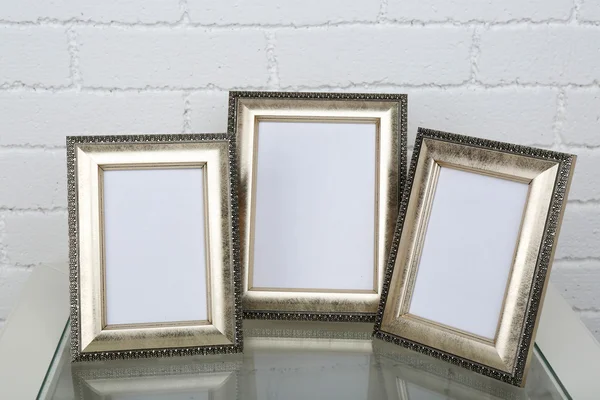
475,239
173,380
309,359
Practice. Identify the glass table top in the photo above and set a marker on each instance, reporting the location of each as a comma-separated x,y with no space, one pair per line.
291,360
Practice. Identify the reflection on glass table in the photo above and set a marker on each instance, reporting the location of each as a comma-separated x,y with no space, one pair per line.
291,360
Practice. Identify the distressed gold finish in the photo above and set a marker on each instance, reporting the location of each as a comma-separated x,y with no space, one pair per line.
307,336
388,113
92,338
548,175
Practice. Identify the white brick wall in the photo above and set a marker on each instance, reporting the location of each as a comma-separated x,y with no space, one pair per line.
355,56
526,71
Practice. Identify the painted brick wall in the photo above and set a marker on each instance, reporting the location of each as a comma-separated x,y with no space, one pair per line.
525,71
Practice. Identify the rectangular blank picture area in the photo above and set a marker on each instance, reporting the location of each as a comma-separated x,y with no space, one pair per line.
155,248
315,206
468,251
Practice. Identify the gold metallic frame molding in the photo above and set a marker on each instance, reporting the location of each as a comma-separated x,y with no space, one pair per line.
321,176
474,243
153,239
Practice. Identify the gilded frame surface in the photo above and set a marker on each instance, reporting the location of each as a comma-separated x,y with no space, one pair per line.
548,174
389,112
91,338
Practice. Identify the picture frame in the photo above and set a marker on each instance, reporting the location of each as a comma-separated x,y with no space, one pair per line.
466,275
313,241
153,246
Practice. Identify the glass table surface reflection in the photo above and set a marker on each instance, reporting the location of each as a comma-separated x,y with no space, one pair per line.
291,360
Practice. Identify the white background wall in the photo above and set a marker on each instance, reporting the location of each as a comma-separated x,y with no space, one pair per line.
524,71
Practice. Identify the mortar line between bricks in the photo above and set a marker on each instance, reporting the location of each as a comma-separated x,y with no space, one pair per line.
587,311
577,147
20,88
185,14
187,113
185,23
560,116
32,210
585,202
3,247
20,266
576,259
73,49
474,53
272,64
574,17
27,146
382,15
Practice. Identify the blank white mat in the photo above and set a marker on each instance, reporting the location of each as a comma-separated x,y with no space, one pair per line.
315,206
155,246
468,251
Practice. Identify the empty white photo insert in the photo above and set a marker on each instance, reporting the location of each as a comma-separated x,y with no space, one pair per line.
155,246
484,214
315,206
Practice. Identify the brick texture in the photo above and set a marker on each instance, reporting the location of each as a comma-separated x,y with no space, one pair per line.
582,117
520,71
352,56
172,58
540,55
34,56
130,11
208,112
46,118
33,238
499,114
33,178
590,11
580,232
273,12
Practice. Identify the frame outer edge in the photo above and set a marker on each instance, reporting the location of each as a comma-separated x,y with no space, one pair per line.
572,159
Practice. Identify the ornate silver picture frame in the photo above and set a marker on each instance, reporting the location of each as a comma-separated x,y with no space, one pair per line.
320,179
472,251
153,238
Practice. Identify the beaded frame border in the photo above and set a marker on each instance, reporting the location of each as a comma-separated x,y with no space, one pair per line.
402,99
543,264
76,354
